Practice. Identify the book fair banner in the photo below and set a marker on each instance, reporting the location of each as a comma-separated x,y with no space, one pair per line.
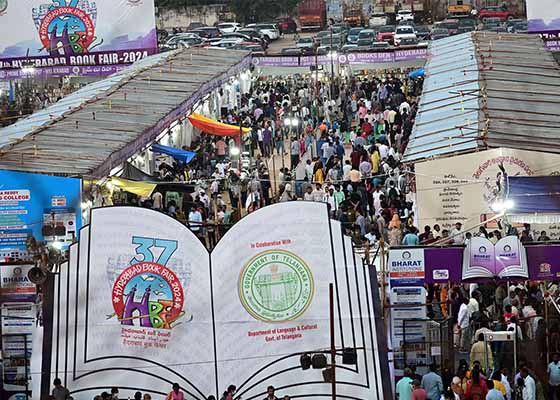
543,16
83,37
141,296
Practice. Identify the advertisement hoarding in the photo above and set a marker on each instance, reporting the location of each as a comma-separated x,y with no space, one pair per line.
45,207
70,35
543,16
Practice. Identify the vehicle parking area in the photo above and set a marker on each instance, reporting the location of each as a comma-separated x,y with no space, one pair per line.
381,32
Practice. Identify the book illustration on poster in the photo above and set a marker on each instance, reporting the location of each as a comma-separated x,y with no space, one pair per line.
142,296
503,260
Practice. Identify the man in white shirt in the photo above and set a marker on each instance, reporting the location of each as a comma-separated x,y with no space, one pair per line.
309,170
318,193
195,219
346,171
529,387
457,234
404,106
383,151
308,195
157,198
463,323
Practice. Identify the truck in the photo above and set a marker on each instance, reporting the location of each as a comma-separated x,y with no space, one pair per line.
335,10
459,8
312,14
353,14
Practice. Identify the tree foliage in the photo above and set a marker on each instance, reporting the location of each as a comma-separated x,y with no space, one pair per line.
245,10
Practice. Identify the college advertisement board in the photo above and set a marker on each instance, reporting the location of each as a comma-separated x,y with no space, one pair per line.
14,283
74,35
141,295
46,207
463,188
543,16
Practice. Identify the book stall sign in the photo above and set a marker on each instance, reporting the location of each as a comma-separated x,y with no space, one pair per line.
46,207
61,36
504,260
406,267
15,284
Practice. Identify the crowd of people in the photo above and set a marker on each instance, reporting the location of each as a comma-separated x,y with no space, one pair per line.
347,146
60,392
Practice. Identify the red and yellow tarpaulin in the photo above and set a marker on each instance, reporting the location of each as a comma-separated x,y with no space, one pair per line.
213,127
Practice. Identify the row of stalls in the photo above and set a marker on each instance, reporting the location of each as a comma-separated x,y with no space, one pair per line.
59,162
488,111
484,152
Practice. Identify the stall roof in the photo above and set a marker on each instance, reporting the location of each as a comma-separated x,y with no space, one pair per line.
103,124
487,90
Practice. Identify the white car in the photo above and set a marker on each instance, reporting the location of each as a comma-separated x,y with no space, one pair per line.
227,42
405,15
378,19
404,32
270,31
305,43
228,27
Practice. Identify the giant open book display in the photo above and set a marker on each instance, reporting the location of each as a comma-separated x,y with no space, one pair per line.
141,304
504,260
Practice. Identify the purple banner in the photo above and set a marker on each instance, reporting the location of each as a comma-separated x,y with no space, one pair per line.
350,58
411,54
443,265
97,58
552,45
9,74
544,262
101,63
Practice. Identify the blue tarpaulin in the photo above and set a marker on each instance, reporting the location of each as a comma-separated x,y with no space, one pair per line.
178,154
417,73
534,194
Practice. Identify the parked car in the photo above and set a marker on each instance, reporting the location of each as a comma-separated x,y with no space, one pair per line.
404,32
378,19
227,42
408,43
286,25
467,25
519,27
353,34
495,12
422,31
367,34
305,43
269,30
366,42
182,43
347,48
405,15
386,34
182,40
254,34
208,32
291,52
380,46
256,50
228,27
195,25
439,33
246,39
452,25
